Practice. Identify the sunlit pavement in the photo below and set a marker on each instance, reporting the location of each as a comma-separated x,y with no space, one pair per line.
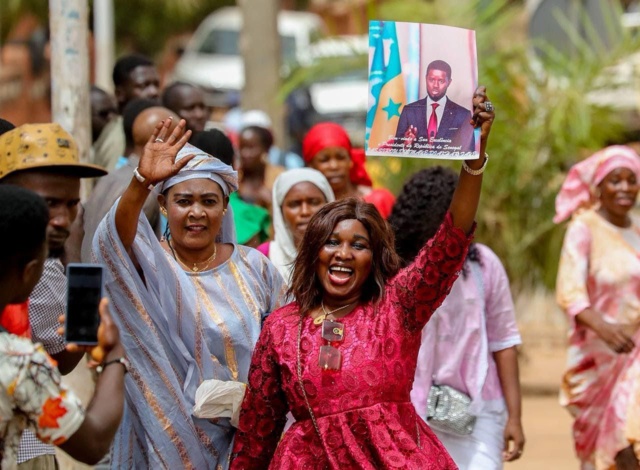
547,429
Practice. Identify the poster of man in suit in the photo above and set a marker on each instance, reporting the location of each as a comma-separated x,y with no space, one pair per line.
420,105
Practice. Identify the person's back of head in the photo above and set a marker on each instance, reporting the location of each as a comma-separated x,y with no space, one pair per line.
129,114
135,76
24,217
420,209
145,123
216,143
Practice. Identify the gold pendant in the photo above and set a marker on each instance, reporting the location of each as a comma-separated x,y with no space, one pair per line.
319,319
195,269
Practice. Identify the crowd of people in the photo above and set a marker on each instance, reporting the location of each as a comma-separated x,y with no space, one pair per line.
364,331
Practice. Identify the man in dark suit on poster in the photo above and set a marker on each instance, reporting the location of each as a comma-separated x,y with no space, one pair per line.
435,123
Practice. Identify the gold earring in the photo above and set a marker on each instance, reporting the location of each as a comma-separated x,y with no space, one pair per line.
224,212
163,211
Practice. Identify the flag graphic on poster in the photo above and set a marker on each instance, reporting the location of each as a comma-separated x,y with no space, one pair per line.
386,84
422,78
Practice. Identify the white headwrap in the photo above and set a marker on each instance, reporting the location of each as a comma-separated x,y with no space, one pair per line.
282,251
205,166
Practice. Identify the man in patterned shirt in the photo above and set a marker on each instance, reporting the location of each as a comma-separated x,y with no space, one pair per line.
44,158
31,394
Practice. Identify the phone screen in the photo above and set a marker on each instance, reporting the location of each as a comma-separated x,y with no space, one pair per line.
83,298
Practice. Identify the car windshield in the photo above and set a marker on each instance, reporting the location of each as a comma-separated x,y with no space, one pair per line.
226,42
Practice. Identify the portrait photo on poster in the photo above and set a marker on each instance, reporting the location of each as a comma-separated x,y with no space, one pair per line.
422,78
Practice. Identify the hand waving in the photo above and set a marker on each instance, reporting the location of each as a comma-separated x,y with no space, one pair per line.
158,161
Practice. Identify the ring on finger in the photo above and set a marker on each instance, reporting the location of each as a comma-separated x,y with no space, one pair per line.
488,105
158,140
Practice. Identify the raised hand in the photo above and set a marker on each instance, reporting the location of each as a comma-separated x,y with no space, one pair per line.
158,161
410,136
483,113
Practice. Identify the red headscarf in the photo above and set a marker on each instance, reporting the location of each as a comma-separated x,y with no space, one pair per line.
330,134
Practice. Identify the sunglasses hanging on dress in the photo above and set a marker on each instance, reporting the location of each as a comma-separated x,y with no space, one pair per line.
332,332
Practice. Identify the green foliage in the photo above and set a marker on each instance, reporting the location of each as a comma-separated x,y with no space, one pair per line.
141,25
547,119
12,10
155,21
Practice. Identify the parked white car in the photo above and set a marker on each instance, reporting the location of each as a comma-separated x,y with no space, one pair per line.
212,58
339,92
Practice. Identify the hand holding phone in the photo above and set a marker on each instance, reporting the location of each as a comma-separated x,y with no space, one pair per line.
84,292
108,338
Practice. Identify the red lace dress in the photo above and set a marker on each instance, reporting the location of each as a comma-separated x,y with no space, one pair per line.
363,412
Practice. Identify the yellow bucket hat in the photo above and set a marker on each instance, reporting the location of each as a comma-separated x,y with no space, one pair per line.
43,146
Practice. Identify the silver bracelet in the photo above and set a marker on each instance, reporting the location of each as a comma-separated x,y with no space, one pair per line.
142,179
121,360
480,170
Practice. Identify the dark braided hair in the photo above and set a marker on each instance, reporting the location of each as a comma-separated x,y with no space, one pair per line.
420,209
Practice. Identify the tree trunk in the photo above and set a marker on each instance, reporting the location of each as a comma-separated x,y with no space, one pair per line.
70,71
260,47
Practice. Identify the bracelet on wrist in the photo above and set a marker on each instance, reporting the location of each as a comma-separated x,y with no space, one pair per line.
121,360
480,170
142,179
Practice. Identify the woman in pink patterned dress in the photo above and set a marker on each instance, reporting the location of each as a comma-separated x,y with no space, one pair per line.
598,286
341,357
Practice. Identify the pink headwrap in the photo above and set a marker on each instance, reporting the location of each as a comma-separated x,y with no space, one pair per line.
330,134
584,176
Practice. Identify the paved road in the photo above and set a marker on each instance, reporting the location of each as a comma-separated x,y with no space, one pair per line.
547,429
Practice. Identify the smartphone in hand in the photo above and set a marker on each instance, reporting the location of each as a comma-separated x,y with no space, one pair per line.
84,292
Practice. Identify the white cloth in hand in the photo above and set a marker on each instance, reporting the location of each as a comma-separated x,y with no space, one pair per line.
219,399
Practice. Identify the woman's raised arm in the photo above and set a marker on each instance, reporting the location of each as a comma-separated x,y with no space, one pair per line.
467,194
157,163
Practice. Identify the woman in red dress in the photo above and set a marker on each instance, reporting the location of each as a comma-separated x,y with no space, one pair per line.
341,358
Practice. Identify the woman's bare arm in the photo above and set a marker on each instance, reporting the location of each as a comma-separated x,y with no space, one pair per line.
467,194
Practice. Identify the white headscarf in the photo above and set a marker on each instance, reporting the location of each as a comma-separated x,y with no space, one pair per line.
282,251
205,166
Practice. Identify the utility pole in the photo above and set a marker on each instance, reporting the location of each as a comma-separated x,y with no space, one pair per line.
103,35
260,48
70,71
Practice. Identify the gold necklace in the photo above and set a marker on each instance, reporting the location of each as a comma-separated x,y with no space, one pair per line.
195,268
320,318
